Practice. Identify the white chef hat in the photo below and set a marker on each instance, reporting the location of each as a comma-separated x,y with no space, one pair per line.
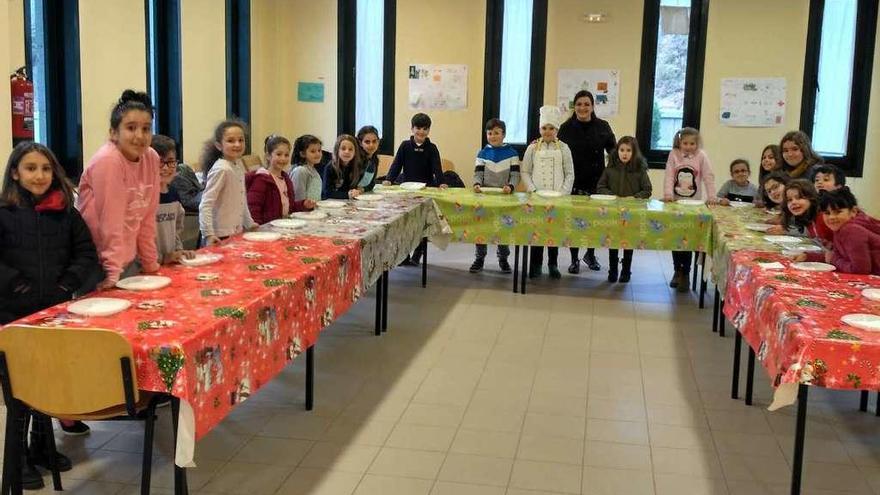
550,115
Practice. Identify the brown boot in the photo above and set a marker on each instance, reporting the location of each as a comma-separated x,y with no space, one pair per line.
676,277
684,282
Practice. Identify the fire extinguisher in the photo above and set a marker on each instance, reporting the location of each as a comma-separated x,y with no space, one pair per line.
22,106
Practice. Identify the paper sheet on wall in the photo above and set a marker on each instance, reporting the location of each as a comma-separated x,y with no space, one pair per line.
603,83
437,87
753,102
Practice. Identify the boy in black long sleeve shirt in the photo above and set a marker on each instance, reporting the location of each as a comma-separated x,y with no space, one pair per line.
417,159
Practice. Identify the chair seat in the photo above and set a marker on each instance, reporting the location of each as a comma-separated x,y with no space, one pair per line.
111,412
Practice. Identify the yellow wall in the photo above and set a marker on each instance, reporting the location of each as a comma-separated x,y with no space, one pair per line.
203,58
112,59
15,8
5,108
265,80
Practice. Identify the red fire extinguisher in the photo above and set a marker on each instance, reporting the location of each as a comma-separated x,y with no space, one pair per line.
22,106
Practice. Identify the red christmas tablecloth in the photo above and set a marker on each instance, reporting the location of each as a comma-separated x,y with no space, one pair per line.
220,332
792,319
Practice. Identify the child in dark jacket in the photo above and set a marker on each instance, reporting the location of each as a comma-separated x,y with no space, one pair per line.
626,176
342,176
46,254
270,191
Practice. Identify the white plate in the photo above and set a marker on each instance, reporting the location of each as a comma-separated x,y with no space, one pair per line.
309,215
99,306
144,282
548,193
492,190
782,239
759,227
413,186
806,248
262,236
691,202
813,266
872,294
370,197
288,223
331,203
740,204
603,197
864,321
201,259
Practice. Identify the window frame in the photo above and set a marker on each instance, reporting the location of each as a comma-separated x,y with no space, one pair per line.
693,87
852,163
238,62
492,67
163,54
63,98
346,76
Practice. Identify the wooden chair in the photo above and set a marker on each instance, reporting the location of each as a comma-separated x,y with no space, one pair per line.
252,162
384,165
446,165
70,374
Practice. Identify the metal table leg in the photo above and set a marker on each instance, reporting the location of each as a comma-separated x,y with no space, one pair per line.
797,463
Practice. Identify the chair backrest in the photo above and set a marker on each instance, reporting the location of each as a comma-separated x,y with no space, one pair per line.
384,165
62,371
446,164
252,162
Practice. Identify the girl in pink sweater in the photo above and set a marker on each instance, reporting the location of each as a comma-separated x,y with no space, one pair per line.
119,192
688,172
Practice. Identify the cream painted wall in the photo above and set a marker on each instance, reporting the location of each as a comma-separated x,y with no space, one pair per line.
16,34
5,109
203,58
450,32
112,59
265,72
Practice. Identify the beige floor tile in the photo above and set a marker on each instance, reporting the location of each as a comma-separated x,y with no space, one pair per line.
248,479
299,426
407,463
340,457
389,485
605,481
348,431
554,426
436,438
619,410
450,488
485,443
694,463
679,484
677,415
603,430
313,481
513,400
492,420
557,404
842,478
462,468
532,475
617,456
433,415
550,449
276,451
746,444
681,437
745,467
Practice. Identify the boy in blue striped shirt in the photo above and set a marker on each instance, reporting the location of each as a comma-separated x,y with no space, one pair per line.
497,165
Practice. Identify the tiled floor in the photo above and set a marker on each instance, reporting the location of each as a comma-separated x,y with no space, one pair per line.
578,387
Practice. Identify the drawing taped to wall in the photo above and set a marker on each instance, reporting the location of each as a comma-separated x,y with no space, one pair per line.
438,87
753,102
603,83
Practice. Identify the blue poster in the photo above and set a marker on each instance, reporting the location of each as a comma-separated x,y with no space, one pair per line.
311,92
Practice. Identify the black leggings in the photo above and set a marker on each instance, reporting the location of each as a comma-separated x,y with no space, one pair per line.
536,256
681,260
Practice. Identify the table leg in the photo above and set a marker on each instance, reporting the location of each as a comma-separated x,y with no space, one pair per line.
180,485
516,269
525,270
750,376
424,262
877,411
737,353
863,401
386,282
721,319
379,294
797,462
696,270
12,448
703,282
716,309
310,378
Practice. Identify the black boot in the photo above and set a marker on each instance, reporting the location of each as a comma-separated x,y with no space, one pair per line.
612,266
31,479
477,265
38,451
591,261
625,272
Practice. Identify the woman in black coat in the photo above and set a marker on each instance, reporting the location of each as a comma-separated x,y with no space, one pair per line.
589,138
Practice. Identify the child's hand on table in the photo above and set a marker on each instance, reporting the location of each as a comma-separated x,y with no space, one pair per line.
386,182
353,193
724,202
667,198
507,189
443,186
776,230
309,204
477,188
212,240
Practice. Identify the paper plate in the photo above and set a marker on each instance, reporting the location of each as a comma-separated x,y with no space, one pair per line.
492,190
331,203
759,227
144,282
782,239
872,294
413,186
806,248
370,197
288,223
740,204
99,306
691,202
864,321
813,266
262,236
603,197
201,259
309,215
547,193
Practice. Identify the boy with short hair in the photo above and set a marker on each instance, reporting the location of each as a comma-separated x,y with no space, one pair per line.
170,214
827,177
497,165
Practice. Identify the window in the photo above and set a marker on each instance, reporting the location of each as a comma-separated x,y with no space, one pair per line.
514,81
366,67
163,67
52,53
671,73
837,79
238,61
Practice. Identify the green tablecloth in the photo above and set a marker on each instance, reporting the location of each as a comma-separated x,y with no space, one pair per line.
573,221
